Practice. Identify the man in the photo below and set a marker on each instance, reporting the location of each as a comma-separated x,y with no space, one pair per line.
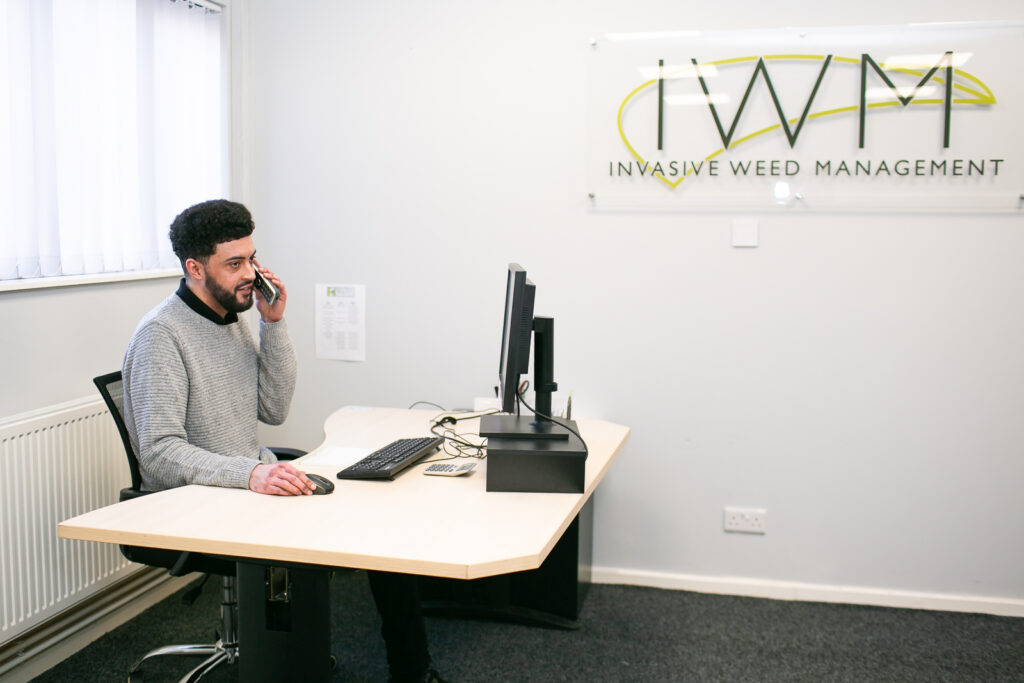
196,383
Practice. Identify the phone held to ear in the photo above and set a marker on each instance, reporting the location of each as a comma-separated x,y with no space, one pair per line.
267,290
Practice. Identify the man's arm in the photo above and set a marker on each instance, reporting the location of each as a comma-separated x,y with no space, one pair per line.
277,373
278,366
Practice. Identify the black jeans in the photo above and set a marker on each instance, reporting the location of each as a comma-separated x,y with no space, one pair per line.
398,602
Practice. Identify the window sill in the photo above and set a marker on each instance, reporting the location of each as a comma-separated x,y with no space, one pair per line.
90,279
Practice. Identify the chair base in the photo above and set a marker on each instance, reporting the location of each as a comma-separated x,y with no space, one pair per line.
224,651
218,653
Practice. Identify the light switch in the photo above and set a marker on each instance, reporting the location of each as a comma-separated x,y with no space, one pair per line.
744,232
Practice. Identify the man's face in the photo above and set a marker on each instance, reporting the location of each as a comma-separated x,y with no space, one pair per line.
229,274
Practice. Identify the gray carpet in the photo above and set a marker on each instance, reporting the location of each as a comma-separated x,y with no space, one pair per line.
626,634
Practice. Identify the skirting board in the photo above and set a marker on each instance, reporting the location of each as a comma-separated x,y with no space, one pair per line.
809,592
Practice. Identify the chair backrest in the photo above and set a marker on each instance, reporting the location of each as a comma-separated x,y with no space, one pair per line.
112,391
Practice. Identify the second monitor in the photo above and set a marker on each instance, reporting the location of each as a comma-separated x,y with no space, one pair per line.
520,326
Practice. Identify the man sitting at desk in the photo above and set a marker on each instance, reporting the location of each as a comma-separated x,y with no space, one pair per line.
196,383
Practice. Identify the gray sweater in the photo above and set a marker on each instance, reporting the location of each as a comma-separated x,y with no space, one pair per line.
194,390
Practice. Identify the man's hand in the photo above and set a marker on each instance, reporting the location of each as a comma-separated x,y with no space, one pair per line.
280,479
270,314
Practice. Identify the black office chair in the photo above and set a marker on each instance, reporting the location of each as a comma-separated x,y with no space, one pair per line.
179,563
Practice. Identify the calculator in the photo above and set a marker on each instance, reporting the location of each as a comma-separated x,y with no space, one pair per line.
449,469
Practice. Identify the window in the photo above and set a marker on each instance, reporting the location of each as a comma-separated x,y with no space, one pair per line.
112,120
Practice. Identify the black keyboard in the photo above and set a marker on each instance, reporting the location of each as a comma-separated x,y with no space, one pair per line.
386,462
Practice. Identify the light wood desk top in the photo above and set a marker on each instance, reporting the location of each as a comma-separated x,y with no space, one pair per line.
437,526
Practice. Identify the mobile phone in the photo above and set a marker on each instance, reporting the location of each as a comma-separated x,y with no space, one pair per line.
267,290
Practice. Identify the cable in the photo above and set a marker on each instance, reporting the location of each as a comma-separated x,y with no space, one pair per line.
586,451
456,445
523,386
449,416
426,403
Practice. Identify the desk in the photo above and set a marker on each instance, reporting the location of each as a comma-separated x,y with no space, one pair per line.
405,525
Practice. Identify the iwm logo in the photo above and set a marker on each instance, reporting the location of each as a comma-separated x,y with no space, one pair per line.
647,119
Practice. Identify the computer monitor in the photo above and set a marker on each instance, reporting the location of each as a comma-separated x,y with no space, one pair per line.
515,336
520,326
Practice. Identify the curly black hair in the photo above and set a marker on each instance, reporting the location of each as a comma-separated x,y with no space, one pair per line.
197,230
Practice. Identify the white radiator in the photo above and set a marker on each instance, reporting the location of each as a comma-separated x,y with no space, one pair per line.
55,464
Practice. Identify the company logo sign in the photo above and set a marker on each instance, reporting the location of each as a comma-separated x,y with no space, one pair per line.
907,115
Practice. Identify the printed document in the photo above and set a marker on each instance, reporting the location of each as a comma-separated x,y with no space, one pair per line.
341,322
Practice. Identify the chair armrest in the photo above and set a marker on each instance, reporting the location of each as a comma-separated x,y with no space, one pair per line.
130,493
287,453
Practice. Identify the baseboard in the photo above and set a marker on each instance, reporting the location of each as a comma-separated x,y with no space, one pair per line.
809,592
53,641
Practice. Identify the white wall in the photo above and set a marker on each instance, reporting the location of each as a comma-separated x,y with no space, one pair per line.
859,376
54,341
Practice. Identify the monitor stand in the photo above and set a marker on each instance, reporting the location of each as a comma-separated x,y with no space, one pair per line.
528,426
522,427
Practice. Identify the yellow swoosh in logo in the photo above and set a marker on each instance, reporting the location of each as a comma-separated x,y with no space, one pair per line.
981,96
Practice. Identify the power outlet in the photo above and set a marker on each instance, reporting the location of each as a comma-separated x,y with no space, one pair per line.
746,520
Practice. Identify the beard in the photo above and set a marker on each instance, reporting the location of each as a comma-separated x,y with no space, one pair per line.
229,299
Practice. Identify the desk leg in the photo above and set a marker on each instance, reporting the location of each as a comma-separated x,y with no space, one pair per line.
551,595
283,636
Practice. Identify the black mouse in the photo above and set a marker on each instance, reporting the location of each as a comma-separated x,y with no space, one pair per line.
323,485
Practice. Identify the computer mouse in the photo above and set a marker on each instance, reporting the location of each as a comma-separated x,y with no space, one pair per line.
323,485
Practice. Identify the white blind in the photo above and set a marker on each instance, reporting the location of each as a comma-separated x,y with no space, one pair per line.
111,122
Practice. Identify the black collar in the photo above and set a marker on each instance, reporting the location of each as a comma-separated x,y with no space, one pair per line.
197,305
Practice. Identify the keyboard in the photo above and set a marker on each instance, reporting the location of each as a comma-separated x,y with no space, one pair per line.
386,462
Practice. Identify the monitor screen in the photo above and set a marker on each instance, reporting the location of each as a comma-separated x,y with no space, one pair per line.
516,335
520,328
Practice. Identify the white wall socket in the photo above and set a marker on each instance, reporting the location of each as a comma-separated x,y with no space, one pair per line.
746,520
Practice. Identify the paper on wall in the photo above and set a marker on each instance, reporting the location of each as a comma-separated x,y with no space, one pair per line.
341,322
